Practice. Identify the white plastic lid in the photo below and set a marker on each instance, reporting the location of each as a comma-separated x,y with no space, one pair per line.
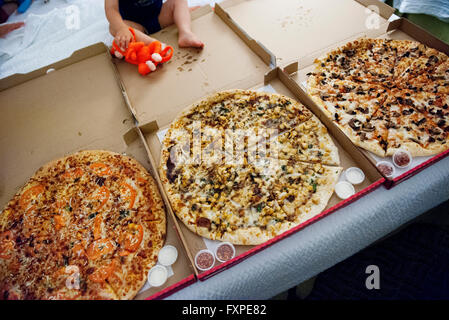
208,252
157,276
354,175
167,255
344,190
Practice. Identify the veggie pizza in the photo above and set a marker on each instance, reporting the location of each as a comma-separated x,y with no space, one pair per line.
87,226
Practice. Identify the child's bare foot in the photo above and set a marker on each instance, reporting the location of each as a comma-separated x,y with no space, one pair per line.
189,39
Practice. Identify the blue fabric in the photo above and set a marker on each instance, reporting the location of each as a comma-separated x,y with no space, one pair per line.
143,12
437,8
24,5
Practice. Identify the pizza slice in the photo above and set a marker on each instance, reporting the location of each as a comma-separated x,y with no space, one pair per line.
364,60
435,107
414,59
358,113
410,129
303,190
435,82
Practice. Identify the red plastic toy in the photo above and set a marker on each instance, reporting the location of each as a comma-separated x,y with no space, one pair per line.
146,57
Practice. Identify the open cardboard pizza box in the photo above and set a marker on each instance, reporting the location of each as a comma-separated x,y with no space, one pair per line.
75,104
233,61
303,31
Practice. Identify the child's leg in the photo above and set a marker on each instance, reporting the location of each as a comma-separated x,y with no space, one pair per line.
138,29
177,11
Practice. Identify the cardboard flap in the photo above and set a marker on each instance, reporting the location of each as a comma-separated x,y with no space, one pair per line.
225,62
76,56
46,116
293,30
379,7
417,33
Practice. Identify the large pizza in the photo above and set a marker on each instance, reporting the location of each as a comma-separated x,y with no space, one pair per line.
386,95
87,226
245,166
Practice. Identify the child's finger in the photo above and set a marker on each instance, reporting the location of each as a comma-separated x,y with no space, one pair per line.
122,43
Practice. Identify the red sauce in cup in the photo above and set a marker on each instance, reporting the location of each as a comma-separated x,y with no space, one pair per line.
401,159
385,169
225,252
204,260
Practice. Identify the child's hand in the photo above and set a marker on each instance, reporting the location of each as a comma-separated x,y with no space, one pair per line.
123,37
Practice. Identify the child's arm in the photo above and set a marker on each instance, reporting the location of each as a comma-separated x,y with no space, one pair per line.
118,27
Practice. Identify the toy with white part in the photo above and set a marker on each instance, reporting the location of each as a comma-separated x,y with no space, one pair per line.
146,57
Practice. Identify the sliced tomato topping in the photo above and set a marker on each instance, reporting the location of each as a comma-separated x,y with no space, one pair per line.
102,273
97,226
73,173
141,180
100,247
59,222
29,195
102,195
128,194
100,169
132,238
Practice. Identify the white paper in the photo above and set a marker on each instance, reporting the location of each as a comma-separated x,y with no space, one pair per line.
268,88
161,134
393,17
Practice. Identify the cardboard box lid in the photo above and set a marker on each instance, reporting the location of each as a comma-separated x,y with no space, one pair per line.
228,60
293,29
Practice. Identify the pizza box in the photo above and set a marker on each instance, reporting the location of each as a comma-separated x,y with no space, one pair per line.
276,82
74,104
225,62
303,31
235,61
292,29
